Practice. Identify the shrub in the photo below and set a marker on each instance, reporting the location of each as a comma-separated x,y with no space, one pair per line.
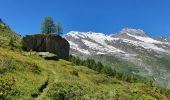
10,65
6,65
6,85
66,90
75,73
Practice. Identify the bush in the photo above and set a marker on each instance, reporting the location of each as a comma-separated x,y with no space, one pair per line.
10,65
6,85
6,65
66,90
75,73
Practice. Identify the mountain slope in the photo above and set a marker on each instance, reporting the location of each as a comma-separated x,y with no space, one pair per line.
62,82
7,36
163,39
137,52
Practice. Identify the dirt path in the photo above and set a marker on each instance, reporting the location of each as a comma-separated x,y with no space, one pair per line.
40,90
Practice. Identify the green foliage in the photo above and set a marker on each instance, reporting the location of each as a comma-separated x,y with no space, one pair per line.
11,42
6,86
25,75
165,91
75,73
6,65
20,76
66,90
11,65
99,67
48,25
9,39
59,29
123,65
108,70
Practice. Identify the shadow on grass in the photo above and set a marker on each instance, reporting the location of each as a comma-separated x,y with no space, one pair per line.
52,58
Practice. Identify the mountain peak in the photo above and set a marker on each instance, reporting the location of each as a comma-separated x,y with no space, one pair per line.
77,34
136,32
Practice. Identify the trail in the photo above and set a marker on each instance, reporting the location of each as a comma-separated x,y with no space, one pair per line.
40,90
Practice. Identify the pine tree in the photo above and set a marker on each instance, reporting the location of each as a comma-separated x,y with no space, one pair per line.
99,66
48,26
59,29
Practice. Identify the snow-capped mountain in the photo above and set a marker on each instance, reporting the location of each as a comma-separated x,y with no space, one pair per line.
128,45
163,39
90,43
139,38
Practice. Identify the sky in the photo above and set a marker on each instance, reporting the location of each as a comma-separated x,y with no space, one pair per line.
105,16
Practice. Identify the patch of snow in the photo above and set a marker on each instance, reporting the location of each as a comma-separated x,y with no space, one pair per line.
76,47
91,44
100,53
73,34
145,39
144,45
103,48
83,51
100,40
99,37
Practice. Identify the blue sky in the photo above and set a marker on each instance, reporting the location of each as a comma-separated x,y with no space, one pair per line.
106,16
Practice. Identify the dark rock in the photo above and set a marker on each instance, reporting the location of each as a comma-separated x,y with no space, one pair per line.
47,43
52,58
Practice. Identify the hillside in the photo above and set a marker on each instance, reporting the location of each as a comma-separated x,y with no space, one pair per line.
130,51
8,38
23,76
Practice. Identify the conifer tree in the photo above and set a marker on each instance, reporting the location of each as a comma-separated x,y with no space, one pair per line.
48,26
59,29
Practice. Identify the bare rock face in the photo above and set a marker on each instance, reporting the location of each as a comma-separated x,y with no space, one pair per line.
47,43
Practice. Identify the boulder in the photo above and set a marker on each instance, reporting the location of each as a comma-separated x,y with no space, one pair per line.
47,43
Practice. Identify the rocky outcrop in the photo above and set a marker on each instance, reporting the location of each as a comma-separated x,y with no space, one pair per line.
47,43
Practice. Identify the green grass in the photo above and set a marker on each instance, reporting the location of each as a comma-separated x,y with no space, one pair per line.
6,34
23,75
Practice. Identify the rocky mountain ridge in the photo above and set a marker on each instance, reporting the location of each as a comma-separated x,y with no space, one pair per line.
89,42
163,39
132,45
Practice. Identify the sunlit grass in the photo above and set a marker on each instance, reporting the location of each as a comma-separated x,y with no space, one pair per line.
65,80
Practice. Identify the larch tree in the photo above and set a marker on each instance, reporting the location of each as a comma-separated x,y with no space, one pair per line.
59,29
48,26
